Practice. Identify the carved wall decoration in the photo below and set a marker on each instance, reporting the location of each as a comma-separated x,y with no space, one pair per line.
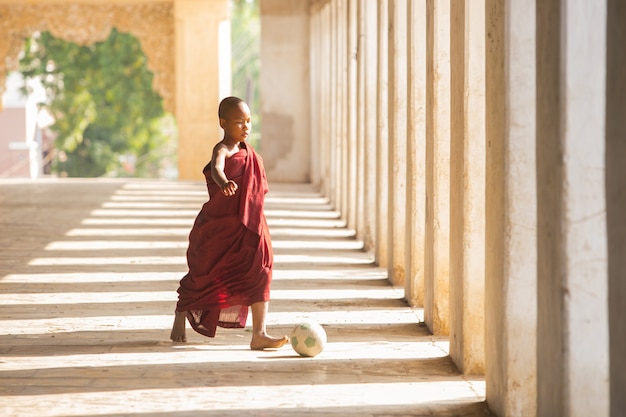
151,23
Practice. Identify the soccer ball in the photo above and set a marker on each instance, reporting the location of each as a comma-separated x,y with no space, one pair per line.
308,339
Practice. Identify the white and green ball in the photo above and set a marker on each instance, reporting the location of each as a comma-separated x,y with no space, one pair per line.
308,339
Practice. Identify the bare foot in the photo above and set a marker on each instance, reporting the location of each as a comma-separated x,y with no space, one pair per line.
263,341
178,329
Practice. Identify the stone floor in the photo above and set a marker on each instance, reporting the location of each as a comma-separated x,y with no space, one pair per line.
88,278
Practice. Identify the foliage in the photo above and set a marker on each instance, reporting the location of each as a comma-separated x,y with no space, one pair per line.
103,104
246,67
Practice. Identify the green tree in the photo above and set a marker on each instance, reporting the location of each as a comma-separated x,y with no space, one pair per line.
103,104
246,51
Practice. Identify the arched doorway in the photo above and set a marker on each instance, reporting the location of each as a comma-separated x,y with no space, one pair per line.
187,44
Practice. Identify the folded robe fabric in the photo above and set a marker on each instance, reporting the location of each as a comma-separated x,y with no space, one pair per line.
230,254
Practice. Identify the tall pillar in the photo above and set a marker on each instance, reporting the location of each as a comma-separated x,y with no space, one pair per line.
550,175
327,162
511,219
586,330
382,135
416,153
202,79
334,151
322,100
316,91
361,149
616,199
573,342
369,51
351,111
342,111
436,283
397,111
339,107
467,187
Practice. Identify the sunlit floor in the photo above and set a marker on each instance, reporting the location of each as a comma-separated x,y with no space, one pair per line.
88,278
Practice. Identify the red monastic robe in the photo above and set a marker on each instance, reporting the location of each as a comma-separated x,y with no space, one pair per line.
230,253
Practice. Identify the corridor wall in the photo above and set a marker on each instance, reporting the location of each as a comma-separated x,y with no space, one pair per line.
483,139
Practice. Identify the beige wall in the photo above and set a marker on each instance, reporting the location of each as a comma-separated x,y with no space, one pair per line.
502,186
285,135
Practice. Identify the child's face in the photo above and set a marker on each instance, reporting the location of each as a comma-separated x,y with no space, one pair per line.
237,125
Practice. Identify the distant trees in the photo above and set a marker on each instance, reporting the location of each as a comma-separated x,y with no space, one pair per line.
108,118
246,62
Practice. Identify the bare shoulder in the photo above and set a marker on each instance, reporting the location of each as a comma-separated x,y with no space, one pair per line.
224,150
220,147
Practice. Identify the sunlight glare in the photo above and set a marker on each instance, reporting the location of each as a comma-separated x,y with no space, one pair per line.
92,277
318,244
356,315
277,232
332,273
143,213
114,244
310,214
360,258
128,232
137,221
310,223
110,260
202,399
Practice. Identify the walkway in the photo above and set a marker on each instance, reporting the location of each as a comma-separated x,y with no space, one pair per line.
88,273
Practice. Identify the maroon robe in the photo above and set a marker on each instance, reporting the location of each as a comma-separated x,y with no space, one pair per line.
230,253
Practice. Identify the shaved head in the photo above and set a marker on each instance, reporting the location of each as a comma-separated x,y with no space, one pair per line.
228,105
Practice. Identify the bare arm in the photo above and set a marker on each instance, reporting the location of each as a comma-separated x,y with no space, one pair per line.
218,162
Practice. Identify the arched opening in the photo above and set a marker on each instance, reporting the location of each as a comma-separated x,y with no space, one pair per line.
105,117
147,29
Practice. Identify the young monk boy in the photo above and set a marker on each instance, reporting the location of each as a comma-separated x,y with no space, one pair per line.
230,253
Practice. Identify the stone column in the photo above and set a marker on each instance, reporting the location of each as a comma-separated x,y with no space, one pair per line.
321,103
616,199
316,92
328,174
337,148
511,211
550,175
357,6
285,136
416,153
467,187
369,51
351,54
397,112
382,145
342,110
202,47
436,283
573,334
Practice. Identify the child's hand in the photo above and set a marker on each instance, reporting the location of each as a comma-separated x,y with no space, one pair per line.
229,188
